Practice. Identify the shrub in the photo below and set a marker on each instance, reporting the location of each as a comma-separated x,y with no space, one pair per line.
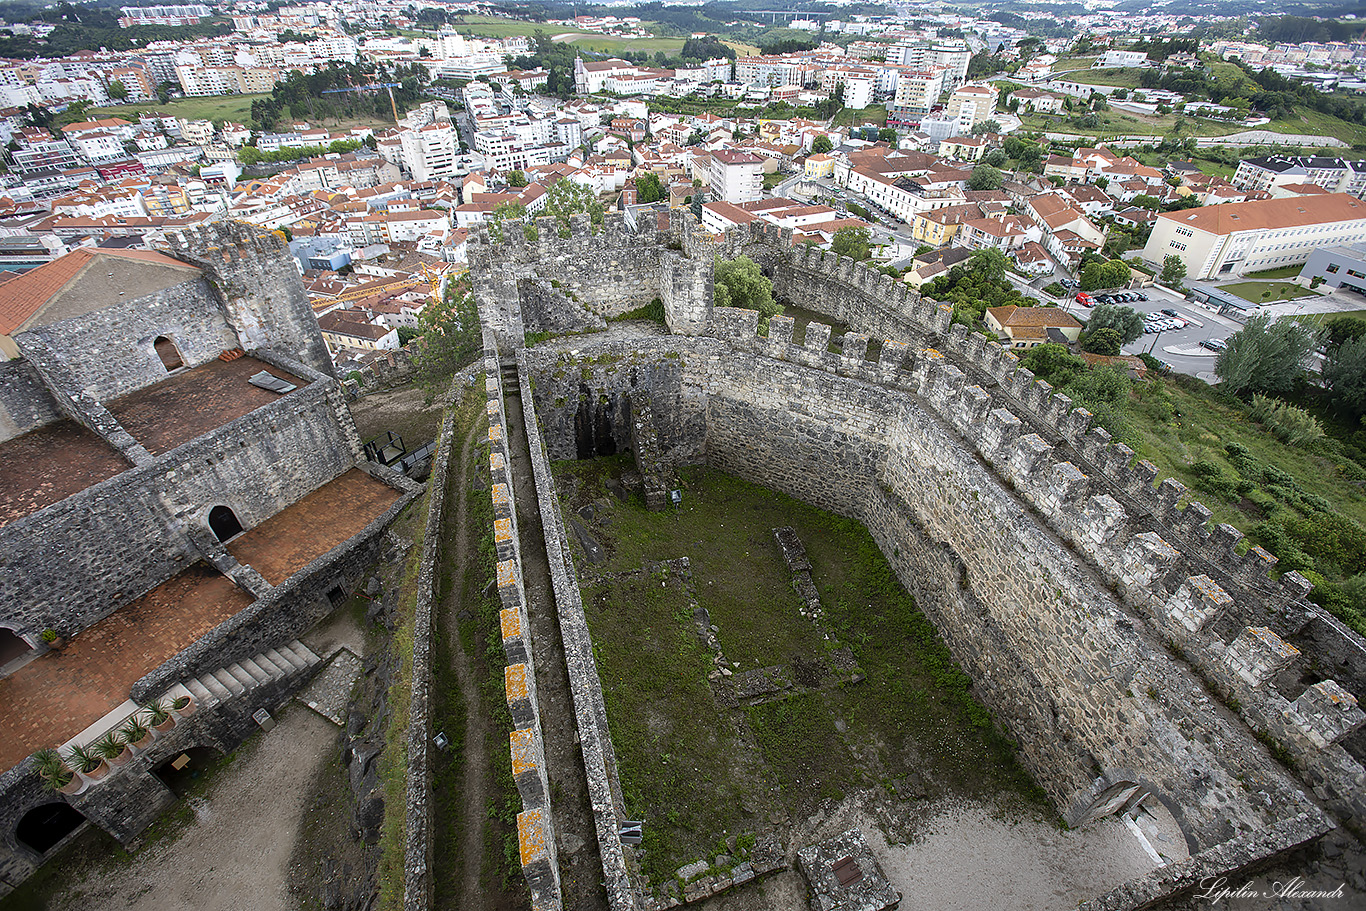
1291,425
1334,541
1209,476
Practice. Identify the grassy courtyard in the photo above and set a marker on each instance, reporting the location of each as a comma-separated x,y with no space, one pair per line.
879,704
1267,292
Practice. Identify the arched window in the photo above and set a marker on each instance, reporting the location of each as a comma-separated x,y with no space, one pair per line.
223,523
169,354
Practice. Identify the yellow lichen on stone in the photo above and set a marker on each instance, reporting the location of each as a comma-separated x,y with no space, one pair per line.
501,496
506,576
502,529
495,432
514,682
523,744
531,836
510,619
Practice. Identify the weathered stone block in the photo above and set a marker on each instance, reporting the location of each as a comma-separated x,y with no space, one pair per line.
1198,601
1324,714
1258,654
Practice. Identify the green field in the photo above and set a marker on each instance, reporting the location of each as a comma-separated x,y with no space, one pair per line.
1266,292
236,108
1314,123
495,27
1271,274
1124,77
873,115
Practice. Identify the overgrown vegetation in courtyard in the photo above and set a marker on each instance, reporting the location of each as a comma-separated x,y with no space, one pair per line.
696,771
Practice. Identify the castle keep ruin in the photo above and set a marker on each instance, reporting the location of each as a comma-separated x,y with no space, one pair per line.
182,494
1135,653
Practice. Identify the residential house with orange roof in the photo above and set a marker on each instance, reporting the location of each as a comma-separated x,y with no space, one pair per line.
1022,328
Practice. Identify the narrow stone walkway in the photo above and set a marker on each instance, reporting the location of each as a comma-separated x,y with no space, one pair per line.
580,862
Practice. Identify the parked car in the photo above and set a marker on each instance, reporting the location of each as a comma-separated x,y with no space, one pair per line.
1170,312
1214,344
1141,296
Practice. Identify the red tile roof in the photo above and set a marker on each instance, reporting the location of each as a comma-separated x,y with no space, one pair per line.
24,296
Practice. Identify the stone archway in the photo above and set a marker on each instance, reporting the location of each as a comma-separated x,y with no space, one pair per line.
180,772
169,353
224,524
47,825
12,646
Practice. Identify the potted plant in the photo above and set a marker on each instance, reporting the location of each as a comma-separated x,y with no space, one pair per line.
184,706
86,761
53,640
136,734
159,716
111,748
55,774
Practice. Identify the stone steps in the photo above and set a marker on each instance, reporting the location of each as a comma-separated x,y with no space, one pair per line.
237,678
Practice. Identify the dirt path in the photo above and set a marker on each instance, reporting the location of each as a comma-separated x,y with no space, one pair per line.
475,780
235,857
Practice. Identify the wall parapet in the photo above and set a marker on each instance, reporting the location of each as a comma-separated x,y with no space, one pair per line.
1166,565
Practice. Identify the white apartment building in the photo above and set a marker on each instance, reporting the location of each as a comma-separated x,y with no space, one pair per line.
918,90
432,152
931,55
98,145
1120,59
770,71
734,176
1231,239
1333,174
971,104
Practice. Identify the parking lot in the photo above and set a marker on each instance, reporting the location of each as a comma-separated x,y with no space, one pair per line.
1188,338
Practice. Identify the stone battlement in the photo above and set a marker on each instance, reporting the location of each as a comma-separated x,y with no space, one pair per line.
1153,558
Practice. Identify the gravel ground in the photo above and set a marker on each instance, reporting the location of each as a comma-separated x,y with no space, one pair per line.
236,855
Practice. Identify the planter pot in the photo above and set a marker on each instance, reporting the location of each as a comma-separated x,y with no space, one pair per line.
170,722
144,744
76,785
188,710
122,759
97,773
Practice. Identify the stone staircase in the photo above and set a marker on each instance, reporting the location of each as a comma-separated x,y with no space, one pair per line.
234,680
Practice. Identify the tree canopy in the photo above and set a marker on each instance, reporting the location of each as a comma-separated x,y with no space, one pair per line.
821,144
852,241
740,283
1344,373
1173,269
1126,321
985,177
649,188
1096,275
1265,357
1104,341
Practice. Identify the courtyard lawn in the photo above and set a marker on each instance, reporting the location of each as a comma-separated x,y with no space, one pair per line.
236,108
1282,272
1267,292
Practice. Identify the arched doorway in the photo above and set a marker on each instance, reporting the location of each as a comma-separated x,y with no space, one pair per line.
11,646
183,770
43,828
169,354
223,523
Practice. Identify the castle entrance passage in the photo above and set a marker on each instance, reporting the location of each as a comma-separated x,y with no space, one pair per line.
223,523
11,646
42,828
183,770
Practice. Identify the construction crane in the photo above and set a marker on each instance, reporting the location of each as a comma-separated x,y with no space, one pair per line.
390,86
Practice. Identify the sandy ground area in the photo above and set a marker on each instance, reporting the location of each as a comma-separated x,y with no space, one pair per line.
236,855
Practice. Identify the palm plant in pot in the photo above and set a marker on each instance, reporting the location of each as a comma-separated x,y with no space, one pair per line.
111,748
136,734
55,774
158,716
88,762
184,705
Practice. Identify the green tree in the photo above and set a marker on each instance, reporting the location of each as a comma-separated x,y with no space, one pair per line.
1096,275
985,177
1173,270
821,145
566,198
740,283
852,241
986,126
1342,329
1125,321
886,134
450,336
1102,341
517,178
1344,373
117,90
1104,391
1054,363
1265,357
649,188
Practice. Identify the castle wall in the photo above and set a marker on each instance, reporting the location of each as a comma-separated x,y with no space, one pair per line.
1080,676
25,402
258,285
109,353
67,566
